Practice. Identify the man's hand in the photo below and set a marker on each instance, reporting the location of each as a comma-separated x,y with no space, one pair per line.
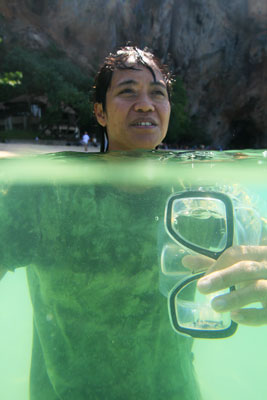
244,267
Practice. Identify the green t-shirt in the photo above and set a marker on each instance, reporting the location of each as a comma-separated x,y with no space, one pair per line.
101,326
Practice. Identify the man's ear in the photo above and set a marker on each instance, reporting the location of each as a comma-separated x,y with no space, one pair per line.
100,114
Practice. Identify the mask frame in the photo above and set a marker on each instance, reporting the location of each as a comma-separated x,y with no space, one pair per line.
205,195
207,333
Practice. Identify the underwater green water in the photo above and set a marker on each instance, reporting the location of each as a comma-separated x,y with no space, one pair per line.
118,297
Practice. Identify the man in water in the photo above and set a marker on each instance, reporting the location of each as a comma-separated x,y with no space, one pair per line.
101,327
132,104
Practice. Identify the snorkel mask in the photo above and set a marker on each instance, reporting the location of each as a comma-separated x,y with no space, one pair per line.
199,223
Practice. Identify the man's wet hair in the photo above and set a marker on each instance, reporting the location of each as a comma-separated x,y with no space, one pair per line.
128,57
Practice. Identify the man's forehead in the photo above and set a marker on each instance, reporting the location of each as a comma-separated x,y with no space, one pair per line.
136,72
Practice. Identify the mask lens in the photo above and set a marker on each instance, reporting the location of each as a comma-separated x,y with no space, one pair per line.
193,310
200,222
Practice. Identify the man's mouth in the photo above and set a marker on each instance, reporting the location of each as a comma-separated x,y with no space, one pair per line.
144,123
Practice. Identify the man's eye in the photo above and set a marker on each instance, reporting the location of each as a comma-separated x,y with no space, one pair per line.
159,93
127,91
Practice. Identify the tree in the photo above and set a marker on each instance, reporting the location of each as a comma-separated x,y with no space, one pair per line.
10,78
183,129
52,74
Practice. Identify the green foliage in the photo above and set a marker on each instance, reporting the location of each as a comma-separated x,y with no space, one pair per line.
11,78
179,121
183,129
52,74
18,134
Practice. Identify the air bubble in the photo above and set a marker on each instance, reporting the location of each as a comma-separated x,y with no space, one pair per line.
49,317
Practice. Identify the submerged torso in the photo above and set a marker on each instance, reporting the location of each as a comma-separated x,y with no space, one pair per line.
101,326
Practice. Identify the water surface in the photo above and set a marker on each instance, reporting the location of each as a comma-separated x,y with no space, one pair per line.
233,368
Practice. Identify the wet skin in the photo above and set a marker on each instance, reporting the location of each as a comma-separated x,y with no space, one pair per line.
244,267
137,109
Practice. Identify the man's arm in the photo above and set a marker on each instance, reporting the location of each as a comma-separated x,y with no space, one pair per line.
2,274
264,232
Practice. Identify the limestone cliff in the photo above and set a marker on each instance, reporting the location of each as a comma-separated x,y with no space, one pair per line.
219,47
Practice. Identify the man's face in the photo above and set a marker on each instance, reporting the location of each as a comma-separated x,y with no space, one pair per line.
137,109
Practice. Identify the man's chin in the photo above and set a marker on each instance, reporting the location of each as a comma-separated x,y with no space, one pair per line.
146,142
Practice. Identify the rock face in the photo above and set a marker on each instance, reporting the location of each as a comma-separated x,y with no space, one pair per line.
219,48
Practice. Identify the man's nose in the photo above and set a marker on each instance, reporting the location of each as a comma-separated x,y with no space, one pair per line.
144,104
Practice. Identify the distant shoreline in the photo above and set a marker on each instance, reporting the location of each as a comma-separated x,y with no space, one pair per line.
15,148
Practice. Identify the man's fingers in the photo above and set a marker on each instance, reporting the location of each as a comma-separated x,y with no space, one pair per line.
256,291
197,263
250,316
242,271
240,253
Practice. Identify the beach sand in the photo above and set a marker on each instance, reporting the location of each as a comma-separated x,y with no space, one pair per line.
21,149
